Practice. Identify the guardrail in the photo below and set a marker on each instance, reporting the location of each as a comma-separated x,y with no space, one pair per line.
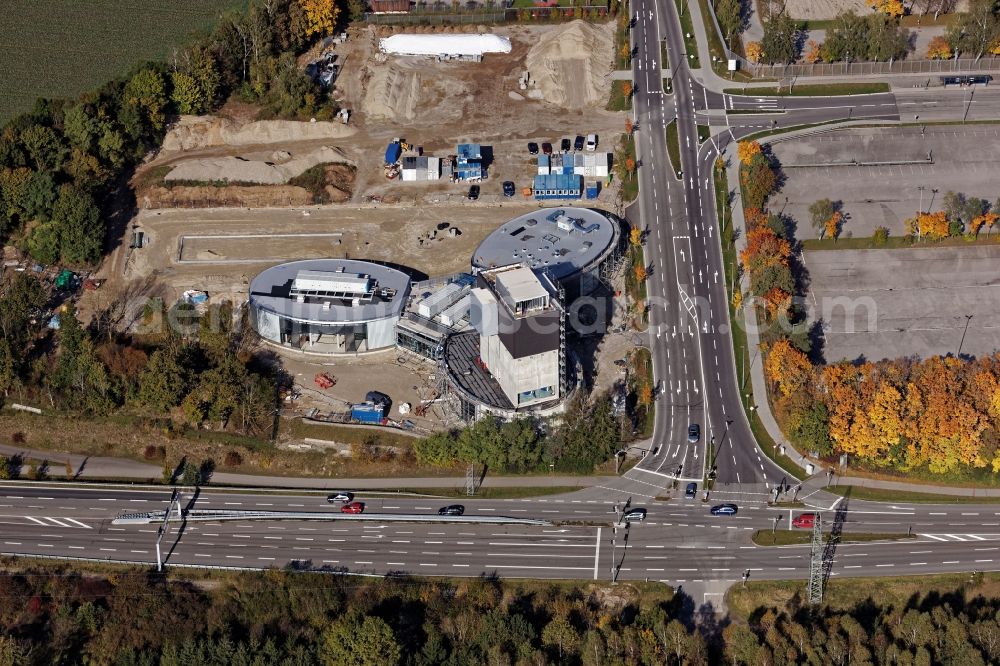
147,517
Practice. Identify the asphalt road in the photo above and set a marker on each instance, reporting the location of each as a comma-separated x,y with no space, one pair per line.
679,542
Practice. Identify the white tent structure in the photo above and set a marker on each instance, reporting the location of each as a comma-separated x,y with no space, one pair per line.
445,45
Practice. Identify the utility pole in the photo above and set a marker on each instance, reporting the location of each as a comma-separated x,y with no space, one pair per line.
746,576
777,519
470,480
816,563
174,499
968,318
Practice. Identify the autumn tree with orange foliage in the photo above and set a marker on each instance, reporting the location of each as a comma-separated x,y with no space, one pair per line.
758,180
893,8
787,367
833,225
777,303
640,273
755,217
629,126
627,89
929,225
939,48
754,51
985,220
812,54
630,166
747,150
321,15
635,236
764,249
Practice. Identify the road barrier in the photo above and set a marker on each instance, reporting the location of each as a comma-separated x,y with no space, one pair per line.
202,515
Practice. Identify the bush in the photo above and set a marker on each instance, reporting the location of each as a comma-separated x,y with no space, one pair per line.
881,236
18,438
154,452
233,459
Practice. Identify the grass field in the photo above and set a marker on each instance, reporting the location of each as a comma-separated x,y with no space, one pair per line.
674,146
60,48
814,90
784,537
618,101
885,495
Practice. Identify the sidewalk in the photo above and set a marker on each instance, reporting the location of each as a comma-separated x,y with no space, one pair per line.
818,483
87,467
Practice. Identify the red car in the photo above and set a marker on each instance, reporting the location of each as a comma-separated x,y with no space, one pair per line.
804,520
353,507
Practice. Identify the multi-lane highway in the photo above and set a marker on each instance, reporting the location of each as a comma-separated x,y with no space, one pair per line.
679,542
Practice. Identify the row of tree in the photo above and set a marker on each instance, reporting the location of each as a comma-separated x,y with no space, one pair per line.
959,215
135,618
879,36
589,433
61,163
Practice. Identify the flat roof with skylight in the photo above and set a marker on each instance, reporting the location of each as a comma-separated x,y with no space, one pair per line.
564,241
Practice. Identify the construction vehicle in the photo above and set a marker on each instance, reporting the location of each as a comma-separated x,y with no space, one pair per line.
325,381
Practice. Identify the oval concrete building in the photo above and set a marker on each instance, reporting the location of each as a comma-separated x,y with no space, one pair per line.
579,247
329,306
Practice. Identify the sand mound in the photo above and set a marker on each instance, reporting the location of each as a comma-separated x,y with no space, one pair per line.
242,170
392,93
192,132
571,64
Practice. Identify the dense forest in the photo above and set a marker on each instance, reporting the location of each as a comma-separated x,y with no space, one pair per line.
135,618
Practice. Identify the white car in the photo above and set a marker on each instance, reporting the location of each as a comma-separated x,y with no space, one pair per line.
591,142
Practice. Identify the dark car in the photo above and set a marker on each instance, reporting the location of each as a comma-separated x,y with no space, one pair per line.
691,490
694,433
635,515
341,496
353,507
724,510
378,398
451,510
532,148
473,192
508,188
565,145
578,143
547,148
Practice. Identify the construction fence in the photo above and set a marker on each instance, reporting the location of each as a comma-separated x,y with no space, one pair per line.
440,14
930,67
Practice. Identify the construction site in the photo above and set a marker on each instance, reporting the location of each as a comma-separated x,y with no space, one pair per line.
230,196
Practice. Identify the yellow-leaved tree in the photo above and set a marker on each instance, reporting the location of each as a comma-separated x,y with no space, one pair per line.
321,15
787,367
938,49
747,150
754,51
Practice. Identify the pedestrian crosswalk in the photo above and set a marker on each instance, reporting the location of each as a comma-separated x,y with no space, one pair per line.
962,537
49,521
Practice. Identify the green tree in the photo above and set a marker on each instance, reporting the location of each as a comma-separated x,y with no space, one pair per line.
164,381
145,93
191,475
44,147
819,212
780,42
43,243
353,641
79,226
186,94
976,30
560,635
80,127
730,16
813,430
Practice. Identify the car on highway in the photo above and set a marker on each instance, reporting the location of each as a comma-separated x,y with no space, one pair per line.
508,188
691,490
473,192
804,520
724,510
547,148
340,496
578,143
635,515
353,507
694,433
532,148
451,510
565,144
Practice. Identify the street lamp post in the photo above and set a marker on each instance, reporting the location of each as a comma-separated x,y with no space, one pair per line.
921,188
968,318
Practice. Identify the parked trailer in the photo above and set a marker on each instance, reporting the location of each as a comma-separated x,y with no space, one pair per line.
367,412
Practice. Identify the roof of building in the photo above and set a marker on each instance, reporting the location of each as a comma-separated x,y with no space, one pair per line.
469,151
557,181
329,291
521,284
564,240
390,5
461,352
410,44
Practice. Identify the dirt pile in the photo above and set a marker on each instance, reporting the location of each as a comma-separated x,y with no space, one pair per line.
192,132
570,65
239,196
280,168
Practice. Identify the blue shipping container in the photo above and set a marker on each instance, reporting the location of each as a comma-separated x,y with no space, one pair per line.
593,190
366,412
392,152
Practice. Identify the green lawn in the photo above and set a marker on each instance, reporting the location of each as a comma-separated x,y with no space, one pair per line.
621,39
704,132
636,290
668,85
884,495
643,371
618,101
690,45
673,146
785,537
664,60
715,48
630,182
489,492
60,48
814,90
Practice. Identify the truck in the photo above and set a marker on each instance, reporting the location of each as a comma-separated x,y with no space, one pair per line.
367,412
